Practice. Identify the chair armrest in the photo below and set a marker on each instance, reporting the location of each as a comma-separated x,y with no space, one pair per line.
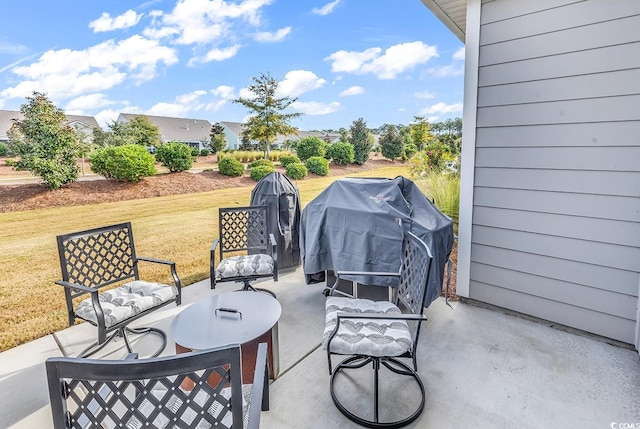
155,261
76,286
260,388
274,256
174,273
215,244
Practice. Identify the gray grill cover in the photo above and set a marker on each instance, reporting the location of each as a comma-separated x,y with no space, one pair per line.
282,199
352,226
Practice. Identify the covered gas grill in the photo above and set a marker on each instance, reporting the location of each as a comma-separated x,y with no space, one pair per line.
355,225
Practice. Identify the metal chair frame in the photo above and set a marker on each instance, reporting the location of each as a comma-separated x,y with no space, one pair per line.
178,391
94,259
410,295
243,230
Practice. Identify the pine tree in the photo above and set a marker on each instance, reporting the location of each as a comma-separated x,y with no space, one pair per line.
360,141
218,138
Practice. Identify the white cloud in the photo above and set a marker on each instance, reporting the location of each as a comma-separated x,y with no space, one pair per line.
66,73
182,105
107,23
326,9
354,90
108,116
441,109
424,95
267,37
395,60
204,21
217,55
298,82
314,108
88,102
223,91
12,48
455,69
459,54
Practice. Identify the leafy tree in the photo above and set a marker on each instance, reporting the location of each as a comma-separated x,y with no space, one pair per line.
45,142
143,132
360,140
267,119
4,150
421,132
218,138
391,144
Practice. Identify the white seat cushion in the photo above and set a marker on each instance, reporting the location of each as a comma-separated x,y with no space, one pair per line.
246,265
365,336
126,301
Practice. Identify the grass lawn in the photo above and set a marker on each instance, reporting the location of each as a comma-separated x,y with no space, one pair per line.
179,228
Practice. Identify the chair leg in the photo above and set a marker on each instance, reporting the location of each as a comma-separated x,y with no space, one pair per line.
122,332
247,287
393,365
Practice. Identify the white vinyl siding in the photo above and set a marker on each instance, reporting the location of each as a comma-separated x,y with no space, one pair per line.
556,197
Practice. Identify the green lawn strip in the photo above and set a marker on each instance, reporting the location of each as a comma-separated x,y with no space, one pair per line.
177,227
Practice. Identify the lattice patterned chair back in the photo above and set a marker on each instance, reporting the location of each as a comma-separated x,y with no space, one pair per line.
243,233
192,390
94,259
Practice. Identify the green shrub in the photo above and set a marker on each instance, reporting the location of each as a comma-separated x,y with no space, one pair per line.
205,152
231,167
310,146
175,156
260,171
297,171
194,151
341,153
318,165
285,160
129,162
432,158
260,163
4,150
410,149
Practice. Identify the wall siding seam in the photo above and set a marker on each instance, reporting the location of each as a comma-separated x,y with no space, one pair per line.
558,54
560,100
560,30
478,282
600,170
547,235
544,79
596,194
530,13
550,278
555,123
555,213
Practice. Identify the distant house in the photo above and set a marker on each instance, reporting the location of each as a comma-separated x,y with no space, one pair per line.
233,134
550,171
194,132
85,124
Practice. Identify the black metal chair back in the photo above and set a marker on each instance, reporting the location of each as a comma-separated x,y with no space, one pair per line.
192,390
243,229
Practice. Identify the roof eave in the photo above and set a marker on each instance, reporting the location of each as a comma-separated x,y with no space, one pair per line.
435,6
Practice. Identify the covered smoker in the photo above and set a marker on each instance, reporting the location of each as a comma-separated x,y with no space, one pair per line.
353,226
282,199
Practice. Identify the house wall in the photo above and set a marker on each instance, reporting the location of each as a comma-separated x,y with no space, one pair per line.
555,223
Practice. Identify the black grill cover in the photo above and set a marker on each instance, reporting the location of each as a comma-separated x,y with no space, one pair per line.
282,199
353,226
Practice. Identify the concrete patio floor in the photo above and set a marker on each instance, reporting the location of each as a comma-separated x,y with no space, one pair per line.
482,368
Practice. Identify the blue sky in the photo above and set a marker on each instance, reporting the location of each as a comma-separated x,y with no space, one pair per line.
383,61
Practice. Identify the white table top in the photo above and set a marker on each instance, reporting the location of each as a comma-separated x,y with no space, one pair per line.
200,326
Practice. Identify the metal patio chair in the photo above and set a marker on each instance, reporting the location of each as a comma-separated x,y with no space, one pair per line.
92,261
191,390
379,332
243,233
